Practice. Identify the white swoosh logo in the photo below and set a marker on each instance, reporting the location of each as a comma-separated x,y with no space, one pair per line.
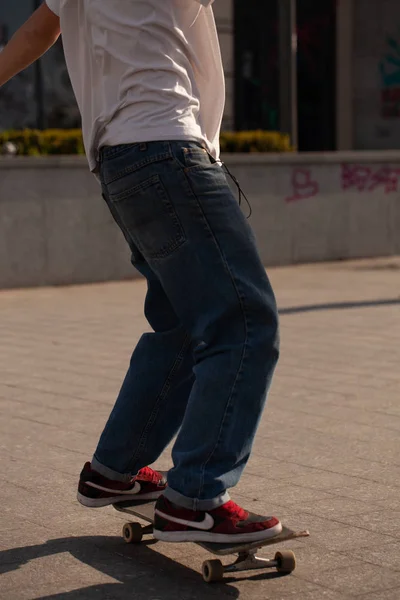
135,490
206,524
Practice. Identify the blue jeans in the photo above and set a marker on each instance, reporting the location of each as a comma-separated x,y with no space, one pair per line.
204,371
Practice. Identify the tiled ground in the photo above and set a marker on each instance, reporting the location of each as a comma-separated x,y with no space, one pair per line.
327,456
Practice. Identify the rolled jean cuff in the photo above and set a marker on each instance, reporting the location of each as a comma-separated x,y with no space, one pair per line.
195,503
109,473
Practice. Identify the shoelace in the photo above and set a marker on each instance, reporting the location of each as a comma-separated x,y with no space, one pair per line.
236,511
148,474
241,192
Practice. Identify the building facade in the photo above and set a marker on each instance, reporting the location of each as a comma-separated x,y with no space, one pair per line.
348,71
348,65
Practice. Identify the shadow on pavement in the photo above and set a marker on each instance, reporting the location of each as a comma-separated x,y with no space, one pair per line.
379,267
139,571
339,306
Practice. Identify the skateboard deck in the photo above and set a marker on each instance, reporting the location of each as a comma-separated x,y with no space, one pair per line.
214,570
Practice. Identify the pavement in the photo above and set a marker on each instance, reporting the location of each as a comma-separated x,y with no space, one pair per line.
326,458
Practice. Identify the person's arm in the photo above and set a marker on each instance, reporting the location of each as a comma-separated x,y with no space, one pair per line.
29,43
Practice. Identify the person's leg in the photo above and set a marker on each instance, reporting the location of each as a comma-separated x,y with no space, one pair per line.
149,408
178,208
153,398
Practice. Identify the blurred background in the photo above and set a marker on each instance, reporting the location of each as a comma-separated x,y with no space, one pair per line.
320,76
345,66
313,87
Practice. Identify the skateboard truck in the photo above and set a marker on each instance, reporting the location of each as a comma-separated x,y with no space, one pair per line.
214,570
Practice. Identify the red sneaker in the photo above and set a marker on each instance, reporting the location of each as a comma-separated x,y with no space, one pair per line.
228,523
95,490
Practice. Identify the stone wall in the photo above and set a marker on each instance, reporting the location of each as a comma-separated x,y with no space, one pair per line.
56,229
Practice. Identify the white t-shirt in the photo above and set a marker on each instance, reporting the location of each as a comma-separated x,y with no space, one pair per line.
143,70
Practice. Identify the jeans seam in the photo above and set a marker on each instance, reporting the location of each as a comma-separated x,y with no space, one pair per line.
192,168
204,218
245,345
156,158
229,401
163,394
111,152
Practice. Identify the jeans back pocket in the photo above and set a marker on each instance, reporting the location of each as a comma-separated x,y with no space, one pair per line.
149,217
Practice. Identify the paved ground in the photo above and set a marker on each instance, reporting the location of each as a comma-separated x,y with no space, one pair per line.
326,458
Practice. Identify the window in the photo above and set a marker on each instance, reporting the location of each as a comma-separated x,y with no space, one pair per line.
257,69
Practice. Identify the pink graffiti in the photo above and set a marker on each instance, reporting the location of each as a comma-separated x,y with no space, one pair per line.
367,179
361,178
303,185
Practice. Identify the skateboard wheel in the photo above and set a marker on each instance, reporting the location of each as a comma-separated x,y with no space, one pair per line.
132,533
213,570
286,561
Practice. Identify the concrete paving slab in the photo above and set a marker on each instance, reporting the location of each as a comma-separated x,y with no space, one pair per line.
357,579
386,555
372,521
387,595
326,456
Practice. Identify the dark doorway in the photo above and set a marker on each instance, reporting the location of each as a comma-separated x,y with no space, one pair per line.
256,65
316,26
257,75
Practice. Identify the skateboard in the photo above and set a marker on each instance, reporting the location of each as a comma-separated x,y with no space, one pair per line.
214,570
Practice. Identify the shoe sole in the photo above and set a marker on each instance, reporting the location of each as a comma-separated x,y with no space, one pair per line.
217,538
101,502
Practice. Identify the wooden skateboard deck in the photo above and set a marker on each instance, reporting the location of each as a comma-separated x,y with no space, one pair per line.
213,570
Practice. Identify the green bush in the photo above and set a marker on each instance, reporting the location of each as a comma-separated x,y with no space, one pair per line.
255,141
32,142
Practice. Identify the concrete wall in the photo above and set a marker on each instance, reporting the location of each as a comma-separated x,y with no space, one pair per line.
320,207
56,229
